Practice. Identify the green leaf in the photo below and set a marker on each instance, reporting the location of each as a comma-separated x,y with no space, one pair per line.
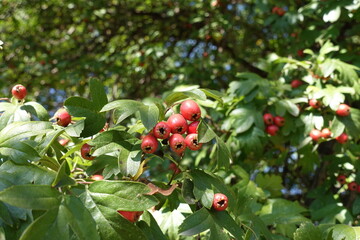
187,191
272,183
205,133
38,197
291,107
337,127
75,130
307,231
62,176
223,219
223,154
342,231
214,94
150,227
332,16
149,115
97,93
7,117
5,214
196,223
244,118
36,109
19,152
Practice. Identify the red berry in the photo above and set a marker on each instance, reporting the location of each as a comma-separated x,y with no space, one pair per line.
343,110
300,53
272,130
149,144
220,202
161,130
177,143
19,91
275,9
352,186
315,134
174,168
106,127
86,152
97,177
192,128
268,119
64,141
358,188
280,12
296,83
314,103
279,121
132,216
342,138
325,133
177,123
62,117
192,142
190,110
341,179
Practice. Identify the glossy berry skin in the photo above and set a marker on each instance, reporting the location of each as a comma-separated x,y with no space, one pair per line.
279,121
341,179
343,110
161,130
149,144
190,110
174,168
177,123
86,152
296,83
342,138
62,117
220,202
192,142
132,216
272,130
268,119
314,103
192,128
315,134
19,91
353,186
325,133
97,177
177,143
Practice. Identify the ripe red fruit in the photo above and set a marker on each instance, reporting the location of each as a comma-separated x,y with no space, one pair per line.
342,138
132,216
174,168
280,12
268,119
19,91
86,152
62,117
296,83
314,103
190,110
220,202
192,128
149,144
97,177
315,134
279,121
343,110
177,123
64,141
192,142
272,130
352,186
341,179
325,133
177,143
161,130
300,53
275,9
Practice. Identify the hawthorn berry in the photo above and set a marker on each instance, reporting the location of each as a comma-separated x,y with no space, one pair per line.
192,142
280,12
314,103
161,130
342,138
177,143
220,202
272,130
343,110
300,53
352,186
268,119
177,123
97,177
325,133
315,134
279,121
192,128
149,144
62,117
341,179
86,152
19,91
296,83
190,110
132,216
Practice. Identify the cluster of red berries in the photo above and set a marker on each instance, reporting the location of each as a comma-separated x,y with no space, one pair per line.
173,128
352,186
278,10
273,123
